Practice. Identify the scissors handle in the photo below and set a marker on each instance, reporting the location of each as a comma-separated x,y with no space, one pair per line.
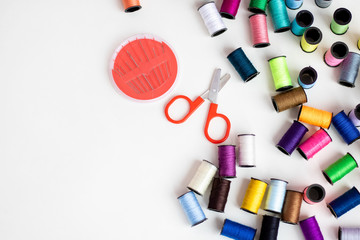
211,115
193,105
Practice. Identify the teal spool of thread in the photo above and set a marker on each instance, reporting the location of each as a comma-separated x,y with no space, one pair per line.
303,20
280,73
294,4
279,15
340,168
341,20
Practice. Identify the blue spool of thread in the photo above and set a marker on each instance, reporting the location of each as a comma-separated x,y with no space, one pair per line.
242,65
303,20
276,195
345,202
292,138
307,77
294,4
237,231
192,208
345,127
279,15
350,69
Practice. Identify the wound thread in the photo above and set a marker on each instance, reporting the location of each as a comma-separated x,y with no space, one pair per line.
269,228
292,138
350,69
254,196
354,116
246,150
219,194
294,4
212,19
280,73
347,233
315,116
192,208
311,229
345,202
279,15
289,99
257,6
275,196
229,8
131,5
307,77
303,20
242,64
319,140
291,208
259,32
340,168
323,3
227,161
202,178
336,55
341,20
345,127
238,231
314,193
311,39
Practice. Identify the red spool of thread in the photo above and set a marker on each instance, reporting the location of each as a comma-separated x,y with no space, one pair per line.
259,31
131,5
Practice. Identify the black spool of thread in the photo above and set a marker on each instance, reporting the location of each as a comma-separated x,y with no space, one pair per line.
219,194
269,228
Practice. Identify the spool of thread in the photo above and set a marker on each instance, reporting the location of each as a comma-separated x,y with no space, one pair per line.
192,208
354,116
319,140
257,6
323,3
219,194
254,196
279,15
341,20
307,77
229,8
314,193
350,69
227,161
259,32
311,39
131,5
294,4
280,73
289,99
292,138
315,116
212,19
345,202
340,168
269,228
275,196
345,127
237,231
358,44
242,64
346,233
336,55
246,149
202,178
303,20
291,208
311,229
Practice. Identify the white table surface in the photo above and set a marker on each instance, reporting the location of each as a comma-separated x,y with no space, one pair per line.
78,160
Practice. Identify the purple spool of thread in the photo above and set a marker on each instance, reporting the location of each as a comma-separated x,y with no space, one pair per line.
311,229
292,138
229,8
227,161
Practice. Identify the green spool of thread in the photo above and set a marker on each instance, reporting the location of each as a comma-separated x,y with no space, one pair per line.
280,73
341,20
340,168
257,6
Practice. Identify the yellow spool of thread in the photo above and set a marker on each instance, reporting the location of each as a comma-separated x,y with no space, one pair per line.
254,196
359,44
315,116
311,39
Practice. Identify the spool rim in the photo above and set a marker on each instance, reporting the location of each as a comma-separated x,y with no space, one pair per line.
205,4
133,8
342,11
357,165
340,233
251,76
256,10
199,222
338,43
310,30
233,52
218,32
283,29
283,150
246,210
261,45
327,177
245,134
294,8
308,70
184,194
302,153
302,12
279,180
210,163
347,84
227,15
357,111
276,57
193,190
332,210
318,186
260,13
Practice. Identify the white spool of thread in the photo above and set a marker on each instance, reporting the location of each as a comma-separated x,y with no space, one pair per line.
349,233
212,19
354,115
202,178
246,149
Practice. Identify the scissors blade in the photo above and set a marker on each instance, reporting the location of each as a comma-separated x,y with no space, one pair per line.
223,82
215,86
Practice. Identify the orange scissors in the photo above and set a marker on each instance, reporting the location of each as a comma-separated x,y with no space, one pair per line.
211,94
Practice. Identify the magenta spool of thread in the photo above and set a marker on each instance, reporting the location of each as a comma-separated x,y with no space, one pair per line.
314,144
311,229
259,30
292,138
229,8
314,193
336,54
227,161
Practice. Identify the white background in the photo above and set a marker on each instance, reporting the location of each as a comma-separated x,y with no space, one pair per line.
78,160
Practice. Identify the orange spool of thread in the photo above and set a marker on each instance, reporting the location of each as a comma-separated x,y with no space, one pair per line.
315,116
131,5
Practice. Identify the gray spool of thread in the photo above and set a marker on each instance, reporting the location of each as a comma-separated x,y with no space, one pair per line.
350,69
323,3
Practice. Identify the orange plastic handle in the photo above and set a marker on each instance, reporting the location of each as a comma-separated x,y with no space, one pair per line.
193,105
211,115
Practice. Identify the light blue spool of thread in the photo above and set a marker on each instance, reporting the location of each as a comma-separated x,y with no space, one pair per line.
323,3
279,15
192,208
276,195
307,77
294,4
237,231
303,20
345,127
350,69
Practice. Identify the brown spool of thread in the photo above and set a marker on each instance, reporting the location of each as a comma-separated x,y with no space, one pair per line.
289,99
131,5
291,209
219,194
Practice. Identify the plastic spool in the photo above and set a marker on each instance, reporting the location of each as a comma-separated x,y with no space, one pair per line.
280,73
257,6
294,4
237,231
289,99
242,64
336,55
202,178
349,233
144,68
259,31
292,205
192,208
275,196
131,5
340,168
323,3
314,193
254,195
229,8
341,20
311,39
307,77
246,150
292,138
350,69
315,116
345,127
279,15
212,19
311,229
316,142
354,116
303,20
345,202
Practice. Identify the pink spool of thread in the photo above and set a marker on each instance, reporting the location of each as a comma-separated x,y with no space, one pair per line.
314,144
229,8
259,30
336,54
